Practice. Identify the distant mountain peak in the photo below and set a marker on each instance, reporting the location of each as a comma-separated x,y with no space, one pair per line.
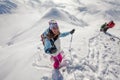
54,13
58,14
6,6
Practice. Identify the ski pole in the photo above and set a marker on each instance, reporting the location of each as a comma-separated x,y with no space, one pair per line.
70,43
71,54
71,48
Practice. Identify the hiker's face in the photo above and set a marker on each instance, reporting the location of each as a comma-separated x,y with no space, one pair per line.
55,30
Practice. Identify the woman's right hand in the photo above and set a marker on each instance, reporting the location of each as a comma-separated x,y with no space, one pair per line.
72,31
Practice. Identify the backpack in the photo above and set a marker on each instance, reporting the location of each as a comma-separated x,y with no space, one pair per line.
42,38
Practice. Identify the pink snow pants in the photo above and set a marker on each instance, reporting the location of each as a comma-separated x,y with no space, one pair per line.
57,60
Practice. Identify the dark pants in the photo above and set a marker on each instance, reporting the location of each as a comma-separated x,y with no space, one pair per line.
104,29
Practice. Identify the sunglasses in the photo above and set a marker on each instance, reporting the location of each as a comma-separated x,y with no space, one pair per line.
55,28
53,25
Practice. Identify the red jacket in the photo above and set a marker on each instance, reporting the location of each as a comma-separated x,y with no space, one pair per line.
111,24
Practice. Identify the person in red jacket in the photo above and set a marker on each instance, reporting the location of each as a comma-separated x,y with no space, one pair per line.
106,26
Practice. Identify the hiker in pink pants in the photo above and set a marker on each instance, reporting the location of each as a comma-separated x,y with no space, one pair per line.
51,42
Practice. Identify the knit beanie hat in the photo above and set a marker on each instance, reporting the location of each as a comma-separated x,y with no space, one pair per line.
53,24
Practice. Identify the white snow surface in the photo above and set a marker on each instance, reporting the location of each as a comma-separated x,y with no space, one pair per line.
96,56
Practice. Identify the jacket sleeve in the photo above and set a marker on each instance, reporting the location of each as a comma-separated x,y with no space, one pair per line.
47,46
64,34
47,43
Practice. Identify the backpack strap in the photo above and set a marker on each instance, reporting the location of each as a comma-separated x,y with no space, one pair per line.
42,38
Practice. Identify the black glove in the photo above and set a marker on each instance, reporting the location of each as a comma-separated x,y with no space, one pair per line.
53,50
72,31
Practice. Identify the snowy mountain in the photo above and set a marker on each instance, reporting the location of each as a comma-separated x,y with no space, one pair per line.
7,6
95,54
64,16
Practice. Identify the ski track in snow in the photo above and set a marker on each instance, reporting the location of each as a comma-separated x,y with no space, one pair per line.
103,58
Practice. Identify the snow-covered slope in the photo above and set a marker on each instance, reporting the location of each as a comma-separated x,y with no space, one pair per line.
95,54
103,60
